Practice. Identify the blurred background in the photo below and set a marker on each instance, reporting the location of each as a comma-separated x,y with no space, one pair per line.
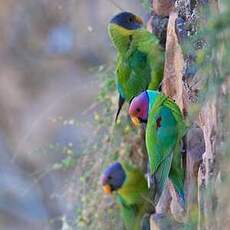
52,54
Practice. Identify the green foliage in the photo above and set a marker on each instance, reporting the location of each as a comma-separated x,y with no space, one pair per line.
147,5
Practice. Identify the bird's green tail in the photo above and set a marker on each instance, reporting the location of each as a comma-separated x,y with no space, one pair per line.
177,175
161,175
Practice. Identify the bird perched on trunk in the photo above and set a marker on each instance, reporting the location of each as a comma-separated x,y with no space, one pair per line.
164,131
132,195
140,59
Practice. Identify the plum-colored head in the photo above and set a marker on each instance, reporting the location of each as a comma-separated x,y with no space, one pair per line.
138,109
113,177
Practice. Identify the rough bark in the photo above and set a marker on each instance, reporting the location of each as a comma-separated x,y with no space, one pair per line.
207,172
195,149
163,7
174,62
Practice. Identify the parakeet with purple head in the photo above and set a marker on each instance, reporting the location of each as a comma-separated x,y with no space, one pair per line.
165,127
130,187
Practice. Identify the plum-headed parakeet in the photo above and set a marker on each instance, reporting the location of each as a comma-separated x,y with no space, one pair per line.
131,191
140,59
164,131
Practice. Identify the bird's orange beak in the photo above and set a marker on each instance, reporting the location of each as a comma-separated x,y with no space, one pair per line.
139,20
135,121
107,189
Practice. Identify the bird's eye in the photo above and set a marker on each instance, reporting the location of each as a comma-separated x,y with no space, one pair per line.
130,19
109,177
138,110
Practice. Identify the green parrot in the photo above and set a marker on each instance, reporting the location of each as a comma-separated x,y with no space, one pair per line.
131,191
140,59
164,131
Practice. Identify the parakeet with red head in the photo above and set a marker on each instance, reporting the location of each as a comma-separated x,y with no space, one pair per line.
130,187
165,127
140,58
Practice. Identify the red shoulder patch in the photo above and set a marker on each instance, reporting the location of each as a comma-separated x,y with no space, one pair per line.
159,122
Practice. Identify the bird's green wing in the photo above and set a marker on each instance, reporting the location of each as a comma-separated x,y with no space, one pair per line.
165,128
161,138
139,63
161,175
177,172
133,73
149,44
182,126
